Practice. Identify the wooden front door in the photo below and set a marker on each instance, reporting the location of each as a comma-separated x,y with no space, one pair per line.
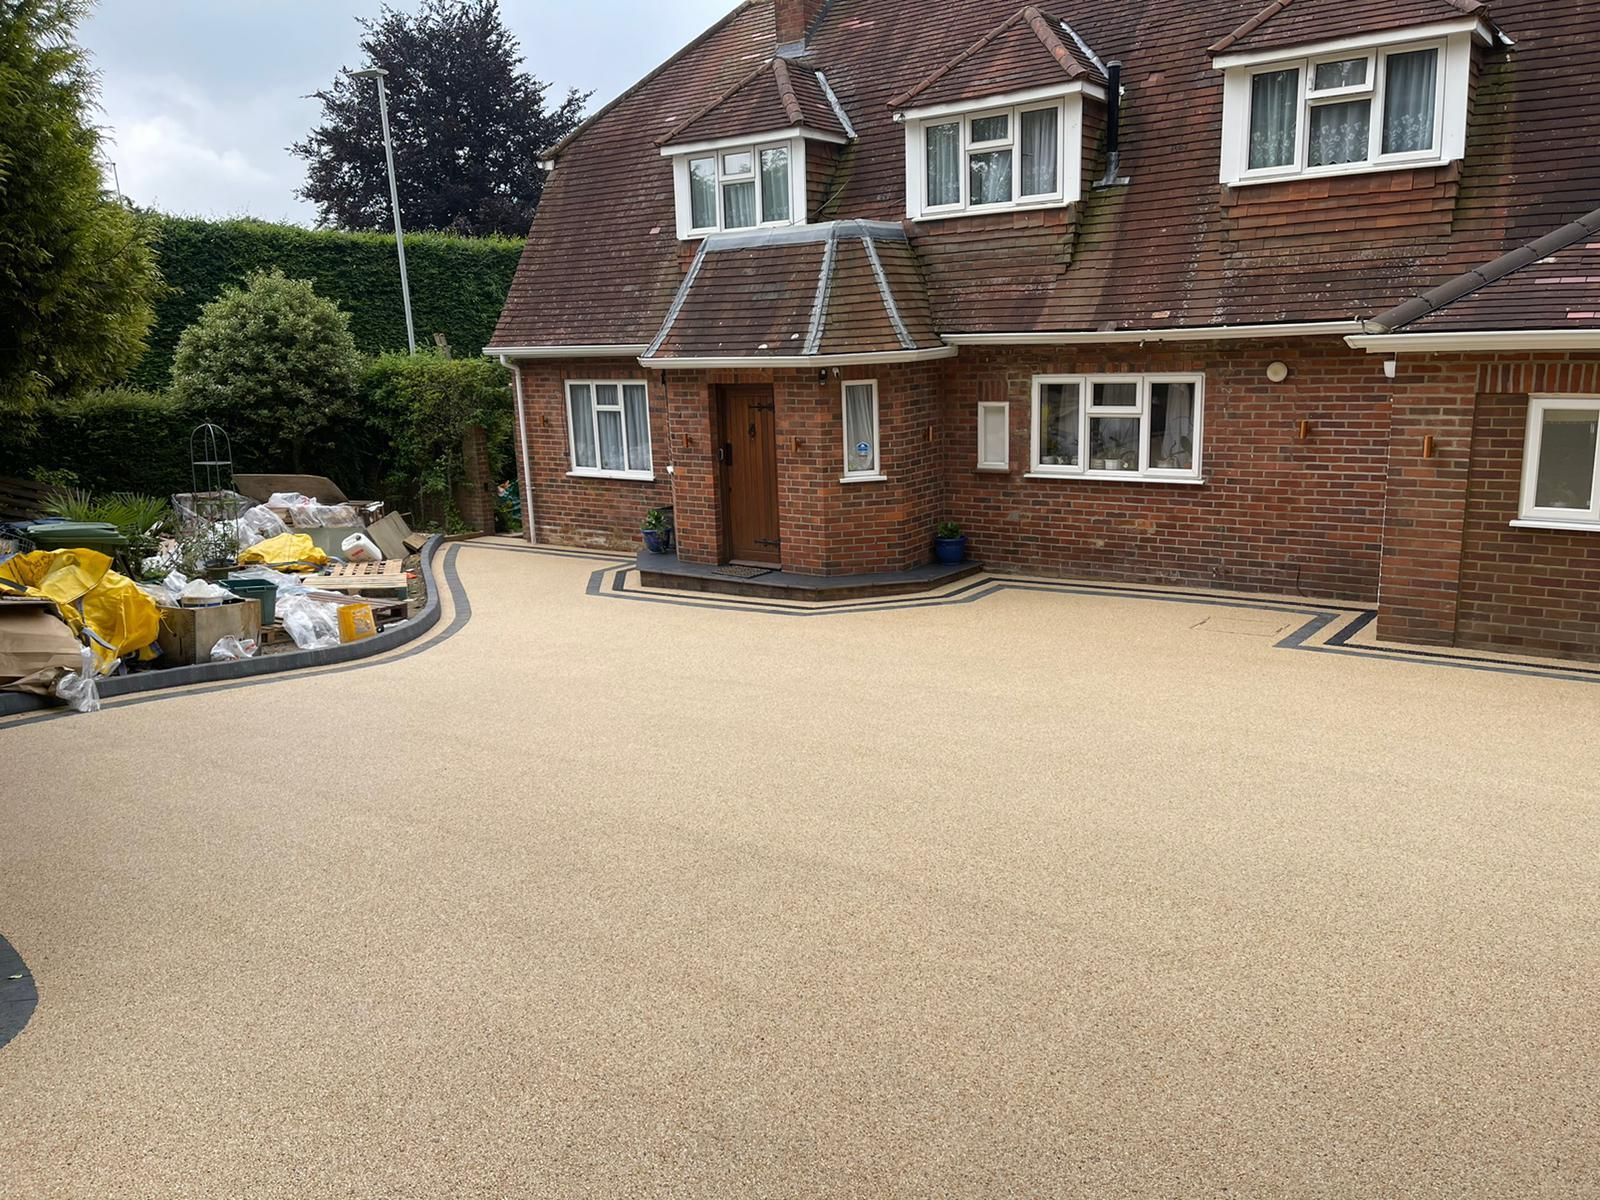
749,457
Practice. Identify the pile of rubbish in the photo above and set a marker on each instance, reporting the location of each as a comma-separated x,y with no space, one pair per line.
238,579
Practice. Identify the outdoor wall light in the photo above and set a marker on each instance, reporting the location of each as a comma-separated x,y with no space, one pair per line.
1391,368
1277,372
822,376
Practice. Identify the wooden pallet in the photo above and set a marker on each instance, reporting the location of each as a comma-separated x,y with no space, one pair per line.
386,576
389,566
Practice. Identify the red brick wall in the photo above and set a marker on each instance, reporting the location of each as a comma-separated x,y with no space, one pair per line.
1275,514
570,511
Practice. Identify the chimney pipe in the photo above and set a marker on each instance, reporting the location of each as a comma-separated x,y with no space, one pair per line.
795,19
1113,126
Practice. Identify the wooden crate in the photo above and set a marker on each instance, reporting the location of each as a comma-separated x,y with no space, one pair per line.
187,634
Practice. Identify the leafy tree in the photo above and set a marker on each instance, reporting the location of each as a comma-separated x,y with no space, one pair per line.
274,364
468,126
77,275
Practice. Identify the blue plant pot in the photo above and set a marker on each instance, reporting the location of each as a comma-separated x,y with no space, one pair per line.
950,550
655,540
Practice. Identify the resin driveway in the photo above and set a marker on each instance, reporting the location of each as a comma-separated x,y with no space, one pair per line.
1022,890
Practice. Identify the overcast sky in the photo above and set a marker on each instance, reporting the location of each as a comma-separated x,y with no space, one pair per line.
203,97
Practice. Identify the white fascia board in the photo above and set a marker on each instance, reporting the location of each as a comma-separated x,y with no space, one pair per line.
760,362
1364,41
1497,339
564,351
1004,100
1198,333
753,139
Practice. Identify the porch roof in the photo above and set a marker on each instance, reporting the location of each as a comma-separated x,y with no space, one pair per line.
810,292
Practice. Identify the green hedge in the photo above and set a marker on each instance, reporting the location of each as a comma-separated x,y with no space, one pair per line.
457,284
118,440
401,443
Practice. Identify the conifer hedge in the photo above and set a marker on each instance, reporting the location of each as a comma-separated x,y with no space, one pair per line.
457,284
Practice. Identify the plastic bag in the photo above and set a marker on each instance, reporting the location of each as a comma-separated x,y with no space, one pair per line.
78,687
312,624
306,513
232,649
263,523
201,592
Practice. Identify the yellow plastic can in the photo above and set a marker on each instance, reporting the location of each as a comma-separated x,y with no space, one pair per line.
356,622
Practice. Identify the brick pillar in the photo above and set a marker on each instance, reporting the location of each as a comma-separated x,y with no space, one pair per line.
696,505
1426,509
475,497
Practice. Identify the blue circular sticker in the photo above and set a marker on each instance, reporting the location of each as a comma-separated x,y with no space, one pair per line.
863,448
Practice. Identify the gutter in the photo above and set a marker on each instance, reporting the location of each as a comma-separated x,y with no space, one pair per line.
505,352
1499,339
1195,333
822,361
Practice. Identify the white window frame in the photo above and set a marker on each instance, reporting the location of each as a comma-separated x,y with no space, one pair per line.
1068,105
1452,81
598,472
986,457
1530,515
1140,412
682,156
875,473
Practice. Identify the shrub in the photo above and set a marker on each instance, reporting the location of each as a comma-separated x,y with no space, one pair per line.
419,408
274,364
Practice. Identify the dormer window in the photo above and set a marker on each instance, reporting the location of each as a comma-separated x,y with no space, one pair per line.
994,159
1379,108
740,187
1376,102
1021,155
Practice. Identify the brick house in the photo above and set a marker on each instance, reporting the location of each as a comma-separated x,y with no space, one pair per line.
1302,298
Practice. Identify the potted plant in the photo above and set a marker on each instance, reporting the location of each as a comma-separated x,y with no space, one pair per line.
949,546
1179,459
657,531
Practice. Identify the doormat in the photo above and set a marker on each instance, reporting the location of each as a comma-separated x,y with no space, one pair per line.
744,572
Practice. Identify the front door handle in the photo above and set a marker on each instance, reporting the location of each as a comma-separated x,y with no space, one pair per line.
725,455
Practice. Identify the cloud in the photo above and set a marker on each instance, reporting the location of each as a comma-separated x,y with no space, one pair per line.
202,98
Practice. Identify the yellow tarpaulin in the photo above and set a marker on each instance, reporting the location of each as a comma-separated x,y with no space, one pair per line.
118,617
287,550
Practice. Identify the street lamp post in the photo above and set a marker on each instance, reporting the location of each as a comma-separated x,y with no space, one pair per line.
394,195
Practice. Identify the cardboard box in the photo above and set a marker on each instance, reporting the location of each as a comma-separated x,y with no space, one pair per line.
187,634
35,646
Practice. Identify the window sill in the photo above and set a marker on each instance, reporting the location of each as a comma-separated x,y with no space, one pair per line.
1560,526
1116,477
992,469
863,479
991,210
1364,168
632,476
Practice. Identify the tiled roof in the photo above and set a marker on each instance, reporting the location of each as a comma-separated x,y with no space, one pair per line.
846,287
1025,50
1553,283
776,95
1286,23
1171,249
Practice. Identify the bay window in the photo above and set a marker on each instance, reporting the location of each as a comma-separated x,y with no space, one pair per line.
608,426
1371,107
1561,464
1118,426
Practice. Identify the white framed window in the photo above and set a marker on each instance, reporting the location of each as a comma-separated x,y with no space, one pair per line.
994,436
861,457
1357,106
732,185
1020,152
608,428
1561,464
1118,426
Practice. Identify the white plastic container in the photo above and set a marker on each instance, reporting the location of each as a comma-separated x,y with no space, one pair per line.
358,547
